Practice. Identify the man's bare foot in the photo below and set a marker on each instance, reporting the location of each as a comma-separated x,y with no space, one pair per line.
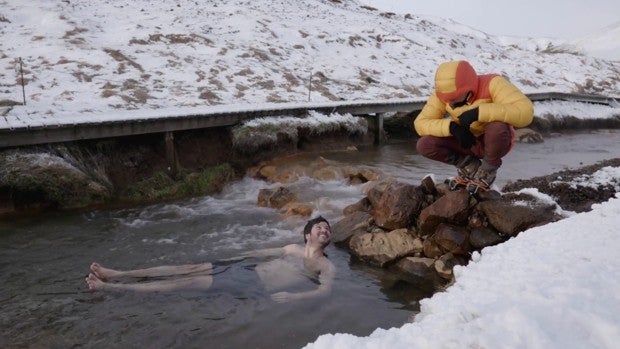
103,273
94,283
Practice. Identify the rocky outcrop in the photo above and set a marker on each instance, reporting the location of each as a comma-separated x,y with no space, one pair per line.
422,232
281,170
49,179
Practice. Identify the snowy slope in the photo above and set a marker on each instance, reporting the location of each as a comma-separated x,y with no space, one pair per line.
604,44
98,57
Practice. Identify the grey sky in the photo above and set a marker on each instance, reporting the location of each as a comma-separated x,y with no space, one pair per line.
541,18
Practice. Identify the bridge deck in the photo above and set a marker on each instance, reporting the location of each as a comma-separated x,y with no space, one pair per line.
23,130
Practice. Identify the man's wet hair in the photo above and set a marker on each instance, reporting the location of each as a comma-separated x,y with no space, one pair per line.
311,224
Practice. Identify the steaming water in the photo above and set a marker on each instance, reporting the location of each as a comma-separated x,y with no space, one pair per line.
44,260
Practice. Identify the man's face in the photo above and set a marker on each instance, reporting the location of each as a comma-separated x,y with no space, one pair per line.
459,101
320,233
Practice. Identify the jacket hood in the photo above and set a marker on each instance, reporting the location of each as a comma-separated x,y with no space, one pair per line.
454,79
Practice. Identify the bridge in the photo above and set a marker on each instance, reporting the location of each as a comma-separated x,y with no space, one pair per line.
23,131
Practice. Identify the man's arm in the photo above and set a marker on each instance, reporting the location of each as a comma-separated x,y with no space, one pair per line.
431,121
509,105
326,279
264,253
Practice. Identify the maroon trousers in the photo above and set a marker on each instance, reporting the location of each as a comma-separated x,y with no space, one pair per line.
492,146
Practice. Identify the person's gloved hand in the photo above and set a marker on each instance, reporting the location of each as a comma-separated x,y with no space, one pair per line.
468,117
463,135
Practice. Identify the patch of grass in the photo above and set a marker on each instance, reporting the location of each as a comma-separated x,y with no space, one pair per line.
161,187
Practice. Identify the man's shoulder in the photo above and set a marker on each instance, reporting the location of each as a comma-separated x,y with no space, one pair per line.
293,249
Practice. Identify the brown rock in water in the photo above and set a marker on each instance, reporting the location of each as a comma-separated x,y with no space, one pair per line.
327,173
275,198
267,172
510,218
445,264
399,205
356,223
298,209
484,236
450,208
419,270
359,176
451,239
363,205
382,248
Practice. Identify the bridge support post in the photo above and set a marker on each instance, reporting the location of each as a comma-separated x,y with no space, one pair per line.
171,154
378,128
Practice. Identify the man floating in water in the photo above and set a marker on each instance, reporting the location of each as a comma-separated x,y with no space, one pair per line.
295,264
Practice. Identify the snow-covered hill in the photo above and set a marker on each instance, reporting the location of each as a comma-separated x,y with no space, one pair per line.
604,44
91,57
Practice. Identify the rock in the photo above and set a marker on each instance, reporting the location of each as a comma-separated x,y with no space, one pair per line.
399,205
442,189
526,135
383,248
327,173
374,190
431,249
359,176
476,220
428,185
363,205
419,270
356,223
483,236
452,239
445,264
298,209
275,198
40,179
450,208
510,218
267,172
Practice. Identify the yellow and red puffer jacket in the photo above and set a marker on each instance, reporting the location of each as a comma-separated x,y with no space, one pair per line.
494,96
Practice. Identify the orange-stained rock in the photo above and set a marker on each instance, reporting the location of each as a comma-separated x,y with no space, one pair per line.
298,209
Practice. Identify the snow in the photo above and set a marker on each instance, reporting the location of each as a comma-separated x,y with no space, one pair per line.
605,44
553,286
96,61
578,110
606,175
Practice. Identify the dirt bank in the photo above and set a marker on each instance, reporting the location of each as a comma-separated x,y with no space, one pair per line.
575,197
144,168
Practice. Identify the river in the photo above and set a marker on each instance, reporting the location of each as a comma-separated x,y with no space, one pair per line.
44,259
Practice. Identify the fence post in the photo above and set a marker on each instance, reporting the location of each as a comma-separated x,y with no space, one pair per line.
21,71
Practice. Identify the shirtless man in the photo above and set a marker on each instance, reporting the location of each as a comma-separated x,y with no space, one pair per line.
295,263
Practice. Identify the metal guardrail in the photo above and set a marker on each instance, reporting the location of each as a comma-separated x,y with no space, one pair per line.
585,98
32,134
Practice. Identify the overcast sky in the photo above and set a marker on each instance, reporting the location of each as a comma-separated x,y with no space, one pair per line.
566,19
